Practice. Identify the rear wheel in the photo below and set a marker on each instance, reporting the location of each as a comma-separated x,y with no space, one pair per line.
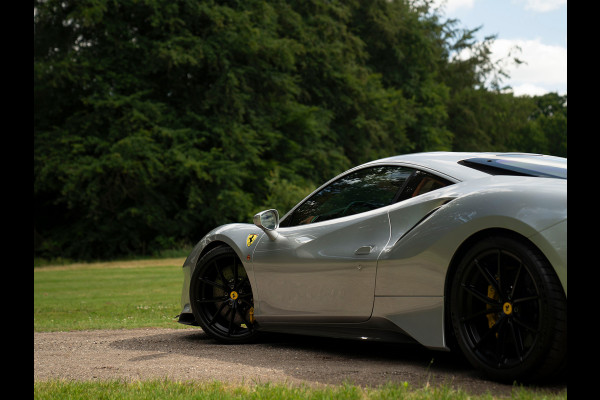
509,312
221,297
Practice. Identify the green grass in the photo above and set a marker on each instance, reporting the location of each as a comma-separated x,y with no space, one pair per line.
167,390
107,296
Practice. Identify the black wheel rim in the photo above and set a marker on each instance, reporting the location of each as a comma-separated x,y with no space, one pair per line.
224,298
499,309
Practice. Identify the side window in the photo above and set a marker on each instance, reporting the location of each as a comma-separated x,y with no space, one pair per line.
420,183
356,192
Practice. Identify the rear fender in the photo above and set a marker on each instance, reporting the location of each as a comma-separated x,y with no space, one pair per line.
411,271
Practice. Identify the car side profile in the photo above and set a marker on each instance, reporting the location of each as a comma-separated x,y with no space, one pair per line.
455,251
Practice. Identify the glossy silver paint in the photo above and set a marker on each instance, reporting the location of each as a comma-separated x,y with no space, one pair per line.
388,267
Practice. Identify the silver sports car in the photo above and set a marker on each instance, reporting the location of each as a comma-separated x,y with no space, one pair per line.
461,251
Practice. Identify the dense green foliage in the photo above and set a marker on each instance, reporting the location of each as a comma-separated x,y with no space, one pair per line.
156,120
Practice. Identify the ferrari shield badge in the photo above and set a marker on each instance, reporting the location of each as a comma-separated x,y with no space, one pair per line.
250,239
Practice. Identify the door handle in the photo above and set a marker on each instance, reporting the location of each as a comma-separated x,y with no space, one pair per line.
363,250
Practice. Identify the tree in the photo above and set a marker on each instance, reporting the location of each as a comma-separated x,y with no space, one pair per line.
156,121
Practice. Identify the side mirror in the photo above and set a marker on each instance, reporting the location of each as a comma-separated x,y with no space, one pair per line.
268,221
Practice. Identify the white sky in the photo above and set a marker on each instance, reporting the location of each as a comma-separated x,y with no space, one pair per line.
538,27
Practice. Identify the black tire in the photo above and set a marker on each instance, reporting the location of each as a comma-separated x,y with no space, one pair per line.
221,297
509,311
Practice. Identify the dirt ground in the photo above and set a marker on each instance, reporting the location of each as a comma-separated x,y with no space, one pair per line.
189,354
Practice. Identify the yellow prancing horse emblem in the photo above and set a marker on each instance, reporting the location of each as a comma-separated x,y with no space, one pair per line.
250,239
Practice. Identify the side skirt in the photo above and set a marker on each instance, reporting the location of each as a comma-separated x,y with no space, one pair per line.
375,329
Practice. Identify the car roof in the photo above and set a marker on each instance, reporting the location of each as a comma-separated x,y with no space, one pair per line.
464,166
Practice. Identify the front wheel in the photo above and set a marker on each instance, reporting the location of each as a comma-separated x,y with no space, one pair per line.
508,311
221,297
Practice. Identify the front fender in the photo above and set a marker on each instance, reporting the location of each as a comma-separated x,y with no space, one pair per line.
233,235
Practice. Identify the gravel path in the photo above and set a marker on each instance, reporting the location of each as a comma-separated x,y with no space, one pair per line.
188,354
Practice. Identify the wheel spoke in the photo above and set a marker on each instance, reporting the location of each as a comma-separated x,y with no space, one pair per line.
524,299
247,303
517,340
526,326
480,296
492,310
232,310
220,272
488,277
235,270
214,317
501,342
499,272
490,333
215,284
242,283
514,286
242,315
215,300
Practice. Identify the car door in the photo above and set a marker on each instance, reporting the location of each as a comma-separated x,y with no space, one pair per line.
322,265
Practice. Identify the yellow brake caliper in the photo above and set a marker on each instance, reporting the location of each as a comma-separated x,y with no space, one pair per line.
492,318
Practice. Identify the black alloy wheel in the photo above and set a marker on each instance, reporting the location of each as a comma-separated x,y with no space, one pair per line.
509,312
221,297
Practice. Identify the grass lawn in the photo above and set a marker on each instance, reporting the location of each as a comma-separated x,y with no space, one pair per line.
108,295
167,390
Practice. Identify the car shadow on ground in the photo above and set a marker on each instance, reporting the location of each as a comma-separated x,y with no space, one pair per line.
335,361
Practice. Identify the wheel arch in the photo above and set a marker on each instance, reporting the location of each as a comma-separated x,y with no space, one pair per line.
212,245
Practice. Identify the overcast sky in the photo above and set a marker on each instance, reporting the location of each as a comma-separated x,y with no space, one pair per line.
538,27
